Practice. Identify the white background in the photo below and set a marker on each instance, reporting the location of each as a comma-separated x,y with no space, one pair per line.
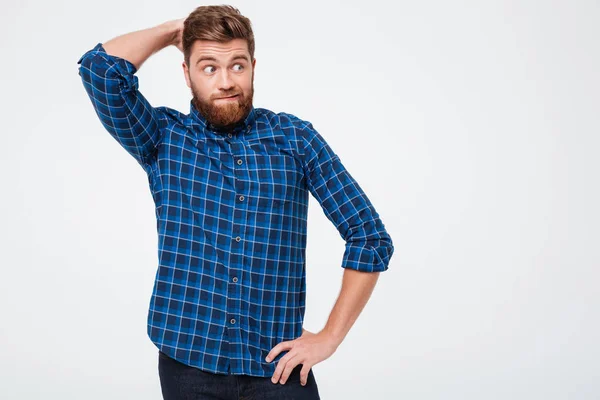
471,125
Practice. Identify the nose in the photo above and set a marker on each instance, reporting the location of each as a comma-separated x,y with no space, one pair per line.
225,81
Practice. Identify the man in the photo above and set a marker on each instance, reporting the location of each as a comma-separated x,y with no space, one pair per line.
231,183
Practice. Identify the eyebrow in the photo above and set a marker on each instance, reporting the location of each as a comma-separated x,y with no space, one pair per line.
209,58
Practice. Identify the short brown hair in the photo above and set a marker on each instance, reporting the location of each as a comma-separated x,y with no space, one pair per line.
216,23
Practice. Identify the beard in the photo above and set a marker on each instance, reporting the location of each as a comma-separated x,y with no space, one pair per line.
227,114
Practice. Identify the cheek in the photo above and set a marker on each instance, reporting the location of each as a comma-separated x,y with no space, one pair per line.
246,85
201,88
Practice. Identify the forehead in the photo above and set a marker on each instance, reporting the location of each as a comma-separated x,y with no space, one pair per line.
219,51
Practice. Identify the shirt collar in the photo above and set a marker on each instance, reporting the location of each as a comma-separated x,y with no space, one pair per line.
197,119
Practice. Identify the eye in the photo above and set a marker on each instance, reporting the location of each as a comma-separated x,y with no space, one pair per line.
206,68
240,65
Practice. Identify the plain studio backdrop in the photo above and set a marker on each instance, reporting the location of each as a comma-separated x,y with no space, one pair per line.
473,128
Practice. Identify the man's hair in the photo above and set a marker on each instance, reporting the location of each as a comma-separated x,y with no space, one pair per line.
216,23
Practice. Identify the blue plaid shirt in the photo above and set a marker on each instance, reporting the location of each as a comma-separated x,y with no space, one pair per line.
231,212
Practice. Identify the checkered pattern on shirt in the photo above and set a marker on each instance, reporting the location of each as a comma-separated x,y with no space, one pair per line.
231,215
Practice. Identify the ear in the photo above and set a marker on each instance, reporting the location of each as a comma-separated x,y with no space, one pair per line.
186,74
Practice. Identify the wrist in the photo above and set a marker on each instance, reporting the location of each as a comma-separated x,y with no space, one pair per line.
334,339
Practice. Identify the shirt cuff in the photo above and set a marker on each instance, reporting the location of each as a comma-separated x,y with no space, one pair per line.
113,66
367,258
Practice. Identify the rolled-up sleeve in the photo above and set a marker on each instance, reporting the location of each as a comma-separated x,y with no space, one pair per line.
125,113
369,247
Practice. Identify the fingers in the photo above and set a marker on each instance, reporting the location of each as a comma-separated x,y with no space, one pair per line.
304,374
284,368
278,349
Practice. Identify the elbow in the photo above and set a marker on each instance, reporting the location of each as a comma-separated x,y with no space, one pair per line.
383,249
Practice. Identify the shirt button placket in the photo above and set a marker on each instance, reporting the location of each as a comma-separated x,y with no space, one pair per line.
236,264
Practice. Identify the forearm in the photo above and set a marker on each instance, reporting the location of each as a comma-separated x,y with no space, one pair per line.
357,288
136,47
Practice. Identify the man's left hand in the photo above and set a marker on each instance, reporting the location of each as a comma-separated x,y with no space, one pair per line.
308,350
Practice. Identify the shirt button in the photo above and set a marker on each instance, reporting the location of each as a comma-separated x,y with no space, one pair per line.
232,321
249,128
239,162
235,279
241,198
229,135
237,239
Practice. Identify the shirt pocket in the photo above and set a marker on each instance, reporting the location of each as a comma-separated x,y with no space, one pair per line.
277,178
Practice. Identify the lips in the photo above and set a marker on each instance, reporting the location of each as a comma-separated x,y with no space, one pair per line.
228,97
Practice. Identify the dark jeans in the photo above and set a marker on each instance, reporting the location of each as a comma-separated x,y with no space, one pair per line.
182,382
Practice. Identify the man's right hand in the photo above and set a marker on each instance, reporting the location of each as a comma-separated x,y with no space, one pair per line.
136,47
178,26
